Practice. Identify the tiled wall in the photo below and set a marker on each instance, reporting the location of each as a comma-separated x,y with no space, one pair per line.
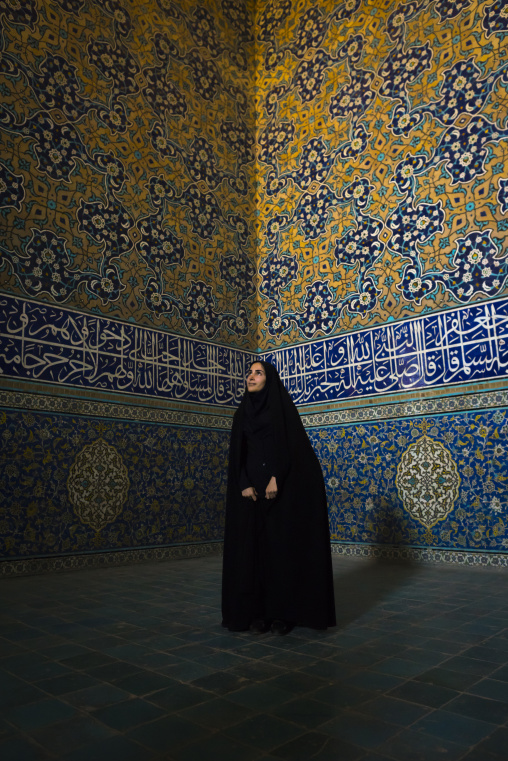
353,155
382,194
126,137
437,481
382,148
113,436
126,245
80,484
422,461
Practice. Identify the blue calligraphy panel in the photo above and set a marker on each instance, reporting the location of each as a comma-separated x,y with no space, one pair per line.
44,343
49,344
460,346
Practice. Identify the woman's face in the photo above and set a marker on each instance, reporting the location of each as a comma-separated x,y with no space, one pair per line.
256,377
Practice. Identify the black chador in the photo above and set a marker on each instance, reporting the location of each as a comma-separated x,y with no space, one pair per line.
277,561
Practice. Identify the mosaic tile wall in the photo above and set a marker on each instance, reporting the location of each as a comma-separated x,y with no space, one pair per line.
382,194
74,484
436,481
382,154
126,243
126,143
328,186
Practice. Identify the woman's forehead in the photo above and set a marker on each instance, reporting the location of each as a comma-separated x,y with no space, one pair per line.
257,366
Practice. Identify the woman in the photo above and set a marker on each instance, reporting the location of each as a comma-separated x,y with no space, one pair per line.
277,570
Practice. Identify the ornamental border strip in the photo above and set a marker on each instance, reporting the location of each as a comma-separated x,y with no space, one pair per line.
413,408
369,413
71,406
421,555
64,563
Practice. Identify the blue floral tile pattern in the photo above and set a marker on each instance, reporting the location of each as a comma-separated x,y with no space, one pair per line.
438,481
160,484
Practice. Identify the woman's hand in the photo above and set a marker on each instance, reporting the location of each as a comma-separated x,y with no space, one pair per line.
271,489
250,493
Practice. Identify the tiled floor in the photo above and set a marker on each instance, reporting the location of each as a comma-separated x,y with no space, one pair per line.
131,664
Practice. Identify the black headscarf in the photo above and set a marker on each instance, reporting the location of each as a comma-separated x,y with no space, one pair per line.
293,528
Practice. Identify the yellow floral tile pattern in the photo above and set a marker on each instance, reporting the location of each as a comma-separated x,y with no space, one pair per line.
381,155
126,170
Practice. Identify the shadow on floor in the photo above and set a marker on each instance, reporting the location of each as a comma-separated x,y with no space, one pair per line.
360,589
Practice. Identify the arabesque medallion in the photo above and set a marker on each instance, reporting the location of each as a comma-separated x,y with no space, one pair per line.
98,484
427,481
